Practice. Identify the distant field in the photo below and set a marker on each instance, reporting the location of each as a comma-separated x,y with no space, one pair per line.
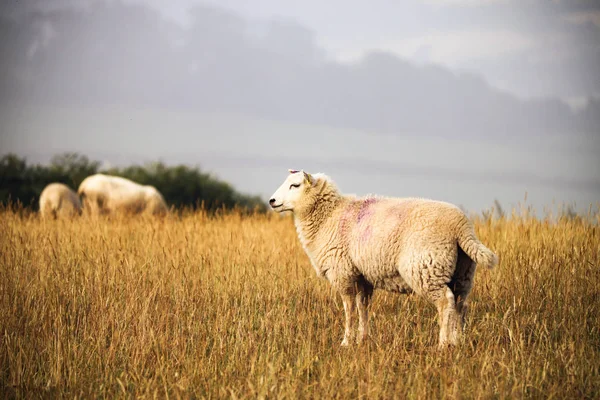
219,307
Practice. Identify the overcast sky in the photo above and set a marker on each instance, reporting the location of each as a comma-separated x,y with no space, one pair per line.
459,100
529,47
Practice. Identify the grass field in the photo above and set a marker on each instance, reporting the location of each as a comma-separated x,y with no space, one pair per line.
229,306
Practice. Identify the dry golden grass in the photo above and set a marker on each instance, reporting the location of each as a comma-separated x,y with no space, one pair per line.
192,306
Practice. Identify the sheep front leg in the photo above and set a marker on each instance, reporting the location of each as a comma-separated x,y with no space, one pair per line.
349,310
363,297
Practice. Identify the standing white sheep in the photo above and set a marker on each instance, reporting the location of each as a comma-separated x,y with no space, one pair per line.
106,194
400,245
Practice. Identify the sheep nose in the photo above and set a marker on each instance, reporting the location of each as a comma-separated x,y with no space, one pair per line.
272,201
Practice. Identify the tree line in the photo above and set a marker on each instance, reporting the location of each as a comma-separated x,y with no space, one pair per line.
181,186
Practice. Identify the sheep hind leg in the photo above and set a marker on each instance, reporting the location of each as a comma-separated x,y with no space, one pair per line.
461,285
448,317
429,275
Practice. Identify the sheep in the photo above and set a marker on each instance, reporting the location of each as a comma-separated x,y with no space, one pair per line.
58,200
404,245
106,194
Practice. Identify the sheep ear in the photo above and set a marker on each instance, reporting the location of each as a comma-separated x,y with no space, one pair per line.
308,177
293,171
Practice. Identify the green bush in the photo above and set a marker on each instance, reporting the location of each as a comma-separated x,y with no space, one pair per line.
181,186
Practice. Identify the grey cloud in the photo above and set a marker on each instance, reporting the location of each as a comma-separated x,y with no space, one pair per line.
124,54
561,62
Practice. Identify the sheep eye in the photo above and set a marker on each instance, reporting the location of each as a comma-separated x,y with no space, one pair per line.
294,185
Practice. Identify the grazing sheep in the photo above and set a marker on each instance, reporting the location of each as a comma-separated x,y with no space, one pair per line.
58,200
105,194
400,245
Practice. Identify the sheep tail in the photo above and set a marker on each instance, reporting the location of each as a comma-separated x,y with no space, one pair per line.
474,248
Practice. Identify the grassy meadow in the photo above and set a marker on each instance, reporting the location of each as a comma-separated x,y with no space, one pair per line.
193,306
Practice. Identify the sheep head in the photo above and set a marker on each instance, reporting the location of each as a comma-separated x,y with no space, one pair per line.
293,190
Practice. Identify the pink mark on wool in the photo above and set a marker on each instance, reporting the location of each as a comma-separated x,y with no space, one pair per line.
366,234
365,209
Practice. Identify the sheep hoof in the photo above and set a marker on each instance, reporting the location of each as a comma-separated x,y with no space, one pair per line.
447,345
